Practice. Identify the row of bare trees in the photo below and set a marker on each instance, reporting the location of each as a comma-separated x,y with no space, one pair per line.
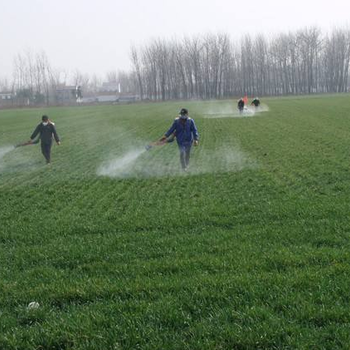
36,82
213,66
203,67
33,78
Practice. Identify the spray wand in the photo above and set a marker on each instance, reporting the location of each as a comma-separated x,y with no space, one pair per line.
28,143
164,140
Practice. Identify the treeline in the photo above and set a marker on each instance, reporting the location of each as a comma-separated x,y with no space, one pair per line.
213,66
36,82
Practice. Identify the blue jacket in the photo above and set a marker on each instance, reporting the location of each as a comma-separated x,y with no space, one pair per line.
185,132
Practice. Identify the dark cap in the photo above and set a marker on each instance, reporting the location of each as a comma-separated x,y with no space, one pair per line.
44,117
183,111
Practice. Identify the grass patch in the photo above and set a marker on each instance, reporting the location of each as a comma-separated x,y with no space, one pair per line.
249,250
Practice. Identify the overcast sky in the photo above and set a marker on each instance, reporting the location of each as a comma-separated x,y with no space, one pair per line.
95,36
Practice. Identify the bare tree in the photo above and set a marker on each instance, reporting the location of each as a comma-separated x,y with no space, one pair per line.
138,70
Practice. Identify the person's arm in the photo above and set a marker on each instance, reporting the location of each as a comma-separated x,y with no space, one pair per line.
55,135
171,138
36,132
170,131
195,133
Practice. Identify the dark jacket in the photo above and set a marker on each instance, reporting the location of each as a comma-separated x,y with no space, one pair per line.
46,132
186,131
256,102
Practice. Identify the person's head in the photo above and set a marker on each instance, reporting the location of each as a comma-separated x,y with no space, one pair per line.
183,113
45,119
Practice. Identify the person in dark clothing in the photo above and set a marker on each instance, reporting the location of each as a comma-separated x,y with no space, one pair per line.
240,105
47,130
256,102
186,135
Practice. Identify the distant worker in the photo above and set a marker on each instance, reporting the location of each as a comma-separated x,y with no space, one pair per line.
47,131
186,135
78,93
245,99
240,105
256,102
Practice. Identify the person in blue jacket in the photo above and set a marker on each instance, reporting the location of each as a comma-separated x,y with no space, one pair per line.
186,135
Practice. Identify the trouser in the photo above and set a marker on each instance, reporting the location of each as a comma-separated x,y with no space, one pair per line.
46,151
185,155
